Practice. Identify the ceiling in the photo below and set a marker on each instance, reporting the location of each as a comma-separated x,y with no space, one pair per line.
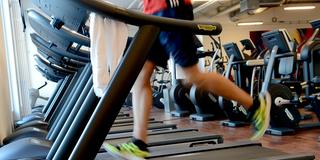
212,8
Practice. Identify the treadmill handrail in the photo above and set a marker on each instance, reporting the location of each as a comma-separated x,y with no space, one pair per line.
139,19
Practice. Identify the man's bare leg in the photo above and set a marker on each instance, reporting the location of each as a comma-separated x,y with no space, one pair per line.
142,101
217,84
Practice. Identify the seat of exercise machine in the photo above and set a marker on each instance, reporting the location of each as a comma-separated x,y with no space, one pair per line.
256,62
54,51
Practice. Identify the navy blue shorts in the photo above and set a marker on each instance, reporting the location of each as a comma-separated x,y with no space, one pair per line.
178,45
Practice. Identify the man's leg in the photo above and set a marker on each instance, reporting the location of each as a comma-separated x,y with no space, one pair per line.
142,101
258,110
217,84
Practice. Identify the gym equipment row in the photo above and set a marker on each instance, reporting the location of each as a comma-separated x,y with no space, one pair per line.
285,117
249,72
90,119
120,126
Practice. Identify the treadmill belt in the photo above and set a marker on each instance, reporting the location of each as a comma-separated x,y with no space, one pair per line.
241,153
240,150
127,120
228,151
173,137
131,123
152,126
124,117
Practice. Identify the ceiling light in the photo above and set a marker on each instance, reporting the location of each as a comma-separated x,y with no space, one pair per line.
299,8
259,10
249,23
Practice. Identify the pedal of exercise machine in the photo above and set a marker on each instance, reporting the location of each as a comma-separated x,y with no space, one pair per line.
202,117
234,123
180,113
280,131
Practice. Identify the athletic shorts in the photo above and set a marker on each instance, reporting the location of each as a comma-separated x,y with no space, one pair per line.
178,45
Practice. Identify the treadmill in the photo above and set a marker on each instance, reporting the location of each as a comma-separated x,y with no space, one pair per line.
94,133
241,150
180,137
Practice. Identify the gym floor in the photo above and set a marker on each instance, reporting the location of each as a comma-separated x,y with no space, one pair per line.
301,142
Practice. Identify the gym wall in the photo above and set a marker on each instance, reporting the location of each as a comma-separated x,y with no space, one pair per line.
5,112
291,20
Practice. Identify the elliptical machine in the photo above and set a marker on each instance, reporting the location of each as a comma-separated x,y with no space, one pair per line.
285,117
236,114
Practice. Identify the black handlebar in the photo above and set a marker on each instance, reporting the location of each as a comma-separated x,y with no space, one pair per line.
139,19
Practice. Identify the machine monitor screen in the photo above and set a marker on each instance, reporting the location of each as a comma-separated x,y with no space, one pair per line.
279,38
248,45
233,49
315,24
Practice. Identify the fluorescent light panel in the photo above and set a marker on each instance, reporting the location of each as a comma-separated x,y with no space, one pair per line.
299,8
259,10
249,23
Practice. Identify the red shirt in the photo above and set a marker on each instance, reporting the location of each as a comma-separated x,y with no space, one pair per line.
153,6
